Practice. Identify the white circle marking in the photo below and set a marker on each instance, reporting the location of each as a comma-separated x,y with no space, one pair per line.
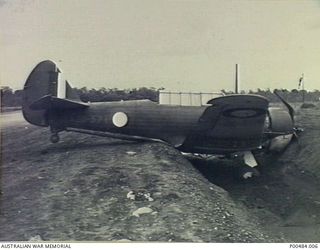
120,119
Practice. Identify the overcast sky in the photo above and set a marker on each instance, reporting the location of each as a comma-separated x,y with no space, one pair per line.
179,45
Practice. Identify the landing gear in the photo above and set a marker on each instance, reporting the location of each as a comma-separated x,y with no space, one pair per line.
247,168
54,138
246,172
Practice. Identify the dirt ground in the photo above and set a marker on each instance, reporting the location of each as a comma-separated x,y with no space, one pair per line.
286,197
81,189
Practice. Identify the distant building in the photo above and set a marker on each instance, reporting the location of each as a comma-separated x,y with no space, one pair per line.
186,98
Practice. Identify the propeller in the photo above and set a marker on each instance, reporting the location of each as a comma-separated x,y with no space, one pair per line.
296,130
289,107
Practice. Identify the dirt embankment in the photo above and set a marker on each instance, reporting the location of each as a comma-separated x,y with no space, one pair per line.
80,189
286,197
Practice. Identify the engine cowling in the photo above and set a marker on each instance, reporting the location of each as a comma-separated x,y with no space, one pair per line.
280,127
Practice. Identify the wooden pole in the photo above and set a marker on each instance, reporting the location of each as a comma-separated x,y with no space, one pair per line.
237,80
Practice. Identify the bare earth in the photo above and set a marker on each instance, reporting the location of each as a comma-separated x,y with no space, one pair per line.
77,190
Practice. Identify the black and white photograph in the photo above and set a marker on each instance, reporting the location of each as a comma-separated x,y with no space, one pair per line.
160,121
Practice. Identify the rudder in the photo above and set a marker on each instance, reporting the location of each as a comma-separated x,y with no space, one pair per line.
43,81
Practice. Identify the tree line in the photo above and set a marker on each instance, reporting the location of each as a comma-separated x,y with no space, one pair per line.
11,98
293,95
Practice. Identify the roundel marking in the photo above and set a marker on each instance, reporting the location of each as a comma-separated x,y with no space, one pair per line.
244,112
120,119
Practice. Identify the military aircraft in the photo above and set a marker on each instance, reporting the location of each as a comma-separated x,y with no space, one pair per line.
232,125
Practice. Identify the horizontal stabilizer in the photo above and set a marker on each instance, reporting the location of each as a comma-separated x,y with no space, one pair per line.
52,102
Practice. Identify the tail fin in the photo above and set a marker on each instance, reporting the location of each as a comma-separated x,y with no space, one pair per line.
42,84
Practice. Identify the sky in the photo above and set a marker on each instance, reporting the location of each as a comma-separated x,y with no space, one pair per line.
181,45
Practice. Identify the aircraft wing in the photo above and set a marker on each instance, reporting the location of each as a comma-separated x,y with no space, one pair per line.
233,123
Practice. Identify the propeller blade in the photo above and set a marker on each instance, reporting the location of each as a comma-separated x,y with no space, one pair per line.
289,107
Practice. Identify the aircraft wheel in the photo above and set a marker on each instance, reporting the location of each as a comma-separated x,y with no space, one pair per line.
249,173
246,173
54,138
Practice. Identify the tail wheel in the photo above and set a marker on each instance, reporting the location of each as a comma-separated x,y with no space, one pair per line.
54,138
